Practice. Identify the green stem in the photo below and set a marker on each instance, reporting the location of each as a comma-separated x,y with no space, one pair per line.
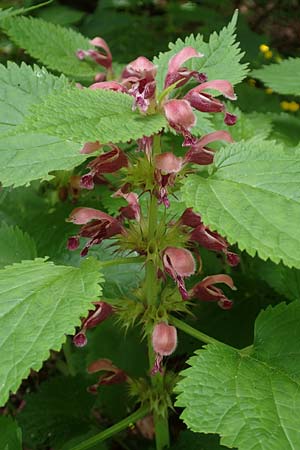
192,331
109,432
161,422
117,261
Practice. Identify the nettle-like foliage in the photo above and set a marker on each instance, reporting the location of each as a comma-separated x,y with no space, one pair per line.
172,195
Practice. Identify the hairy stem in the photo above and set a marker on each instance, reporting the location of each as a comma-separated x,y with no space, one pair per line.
181,325
109,432
161,422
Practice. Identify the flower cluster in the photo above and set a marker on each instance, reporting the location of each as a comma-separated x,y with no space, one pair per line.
138,79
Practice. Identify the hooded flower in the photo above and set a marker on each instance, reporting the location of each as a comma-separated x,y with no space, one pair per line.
181,117
97,226
205,102
102,312
132,210
213,241
180,75
179,264
139,78
199,153
164,342
167,165
108,162
208,292
112,374
102,58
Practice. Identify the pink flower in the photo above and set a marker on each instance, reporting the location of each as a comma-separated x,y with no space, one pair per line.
206,291
190,218
104,59
97,226
167,166
139,78
180,75
145,145
181,117
133,210
109,85
213,241
164,342
112,374
102,312
207,103
179,264
90,147
199,153
109,162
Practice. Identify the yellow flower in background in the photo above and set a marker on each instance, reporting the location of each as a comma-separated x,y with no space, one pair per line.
290,106
269,91
285,105
252,82
264,48
294,106
268,54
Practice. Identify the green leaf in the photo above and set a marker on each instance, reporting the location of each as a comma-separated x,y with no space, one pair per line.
39,304
15,245
10,434
253,199
284,280
52,45
90,115
258,392
221,59
27,156
282,77
59,411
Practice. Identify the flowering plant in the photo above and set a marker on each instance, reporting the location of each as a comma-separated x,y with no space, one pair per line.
148,176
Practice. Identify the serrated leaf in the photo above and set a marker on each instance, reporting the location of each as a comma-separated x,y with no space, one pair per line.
58,411
10,434
258,393
284,280
253,199
221,59
39,304
53,45
27,156
282,77
15,245
89,115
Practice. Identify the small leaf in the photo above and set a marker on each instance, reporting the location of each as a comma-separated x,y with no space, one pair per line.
52,45
282,77
39,304
258,392
27,156
89,115
10,434
221,59
253,199
15,245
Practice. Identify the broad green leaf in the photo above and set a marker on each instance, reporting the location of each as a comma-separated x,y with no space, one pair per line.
10,434
39,304
15,245
57,412
27,156
257,392
285,280
90,115
282,77
60,14
52,45
221,59
252,198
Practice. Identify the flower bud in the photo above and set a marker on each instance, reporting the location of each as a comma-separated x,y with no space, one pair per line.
164,342
179,263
